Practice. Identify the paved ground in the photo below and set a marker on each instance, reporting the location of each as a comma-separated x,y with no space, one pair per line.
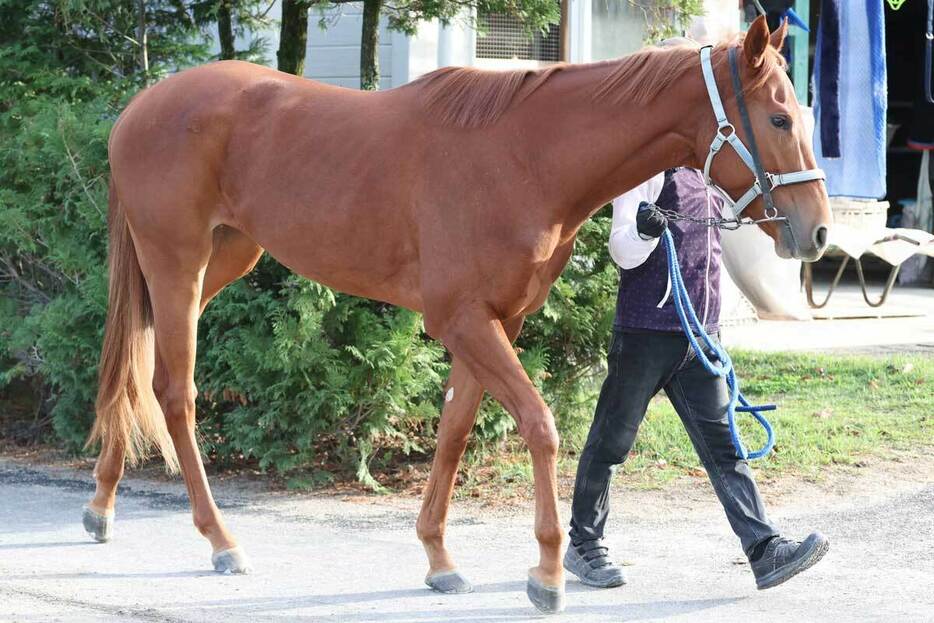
905,324
356,559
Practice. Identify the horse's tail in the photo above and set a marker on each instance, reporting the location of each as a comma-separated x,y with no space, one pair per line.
128,414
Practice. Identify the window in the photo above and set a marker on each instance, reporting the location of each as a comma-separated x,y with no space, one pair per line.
506,39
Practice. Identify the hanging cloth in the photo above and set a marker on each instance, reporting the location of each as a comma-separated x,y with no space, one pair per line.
860,169
827,77
929,55
920,215
921,134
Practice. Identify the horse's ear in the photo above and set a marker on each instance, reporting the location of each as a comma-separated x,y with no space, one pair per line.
756,42
777,39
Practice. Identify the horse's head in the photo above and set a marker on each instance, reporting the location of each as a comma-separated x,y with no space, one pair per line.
783,143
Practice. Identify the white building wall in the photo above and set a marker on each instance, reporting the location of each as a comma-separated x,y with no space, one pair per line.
721,20
607,30
580,30
421,52
334,52
433,46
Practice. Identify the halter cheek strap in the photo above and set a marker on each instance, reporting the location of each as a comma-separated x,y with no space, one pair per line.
765,182
726,133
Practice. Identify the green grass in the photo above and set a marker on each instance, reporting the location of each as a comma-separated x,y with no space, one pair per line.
832,410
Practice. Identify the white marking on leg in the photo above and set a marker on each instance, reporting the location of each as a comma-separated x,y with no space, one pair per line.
449,396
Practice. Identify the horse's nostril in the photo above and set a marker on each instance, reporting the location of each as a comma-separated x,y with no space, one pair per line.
820,236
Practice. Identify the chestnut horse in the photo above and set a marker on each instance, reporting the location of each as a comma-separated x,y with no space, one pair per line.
458,196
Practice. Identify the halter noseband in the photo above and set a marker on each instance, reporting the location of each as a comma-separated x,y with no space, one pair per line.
765,182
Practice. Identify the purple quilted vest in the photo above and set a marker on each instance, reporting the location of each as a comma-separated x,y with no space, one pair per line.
642,288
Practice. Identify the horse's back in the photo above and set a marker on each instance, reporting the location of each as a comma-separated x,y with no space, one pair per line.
282,159
201,107
201,102
172,142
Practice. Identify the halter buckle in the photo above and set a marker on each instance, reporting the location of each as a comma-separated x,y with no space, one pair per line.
725,136
720,139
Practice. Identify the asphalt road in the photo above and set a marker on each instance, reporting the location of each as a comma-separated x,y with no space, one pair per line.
332,558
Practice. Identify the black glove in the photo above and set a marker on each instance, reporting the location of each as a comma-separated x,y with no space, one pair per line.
650,222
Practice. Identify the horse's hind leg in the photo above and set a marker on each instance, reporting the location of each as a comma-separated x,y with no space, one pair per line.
175,303
177,300
462,399
99,513
233,255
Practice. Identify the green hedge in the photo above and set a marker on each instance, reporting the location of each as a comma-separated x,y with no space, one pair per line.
304,380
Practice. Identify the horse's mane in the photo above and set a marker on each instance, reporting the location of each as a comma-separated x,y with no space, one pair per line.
641,76
473,98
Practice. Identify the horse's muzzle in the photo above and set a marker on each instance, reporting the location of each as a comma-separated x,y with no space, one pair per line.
791,244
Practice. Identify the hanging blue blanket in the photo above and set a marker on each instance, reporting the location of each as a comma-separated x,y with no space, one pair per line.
827,77
862,100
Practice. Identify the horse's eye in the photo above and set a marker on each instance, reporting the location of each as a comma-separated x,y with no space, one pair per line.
780,121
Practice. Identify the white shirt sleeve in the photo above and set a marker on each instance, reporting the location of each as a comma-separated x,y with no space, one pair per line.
627,247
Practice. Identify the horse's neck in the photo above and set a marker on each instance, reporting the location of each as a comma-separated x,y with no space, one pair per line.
590,151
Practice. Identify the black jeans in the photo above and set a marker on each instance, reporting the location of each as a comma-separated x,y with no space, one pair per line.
641,364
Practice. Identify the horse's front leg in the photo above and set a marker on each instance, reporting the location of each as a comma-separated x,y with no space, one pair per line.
462,396
462,399
479,339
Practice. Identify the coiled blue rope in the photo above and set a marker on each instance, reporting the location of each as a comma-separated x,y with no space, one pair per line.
721,365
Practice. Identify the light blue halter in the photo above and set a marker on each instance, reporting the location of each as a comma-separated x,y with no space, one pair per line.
765,182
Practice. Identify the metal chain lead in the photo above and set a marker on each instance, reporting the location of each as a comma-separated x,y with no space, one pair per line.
717,221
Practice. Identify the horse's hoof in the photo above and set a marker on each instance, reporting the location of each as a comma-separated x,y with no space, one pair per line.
98,526
548,599
449,583
231,560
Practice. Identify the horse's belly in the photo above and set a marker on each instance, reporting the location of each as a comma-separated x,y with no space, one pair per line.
343,254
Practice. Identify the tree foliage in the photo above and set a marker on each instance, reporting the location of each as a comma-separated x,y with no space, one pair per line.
663,19
233,19
405,16
667,18
293,376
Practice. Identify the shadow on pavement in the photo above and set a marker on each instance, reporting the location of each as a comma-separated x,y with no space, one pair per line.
46,545
621,612
625,611
93,575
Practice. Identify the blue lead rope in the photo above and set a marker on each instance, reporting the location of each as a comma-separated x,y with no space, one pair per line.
721,365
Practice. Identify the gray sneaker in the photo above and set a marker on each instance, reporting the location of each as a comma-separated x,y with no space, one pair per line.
591,563
783,559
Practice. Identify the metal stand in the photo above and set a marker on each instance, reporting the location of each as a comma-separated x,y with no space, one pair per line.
809,284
